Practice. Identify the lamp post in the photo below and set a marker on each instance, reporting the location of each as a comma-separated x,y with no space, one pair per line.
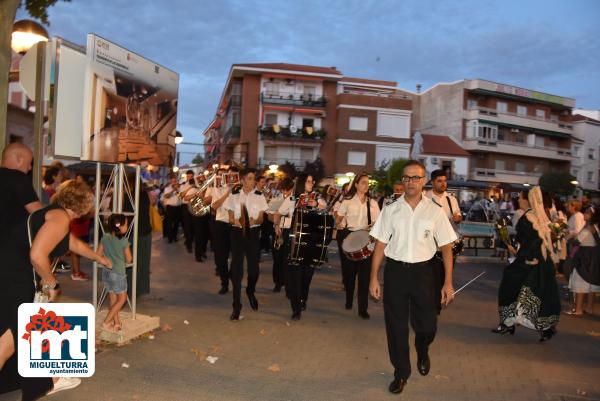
27,34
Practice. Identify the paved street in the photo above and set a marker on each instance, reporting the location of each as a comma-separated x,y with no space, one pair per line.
330,354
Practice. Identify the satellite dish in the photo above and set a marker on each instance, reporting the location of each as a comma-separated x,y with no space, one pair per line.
293,129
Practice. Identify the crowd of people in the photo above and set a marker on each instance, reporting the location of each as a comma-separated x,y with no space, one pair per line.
242,214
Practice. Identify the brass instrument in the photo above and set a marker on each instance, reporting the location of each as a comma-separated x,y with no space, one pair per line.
196,205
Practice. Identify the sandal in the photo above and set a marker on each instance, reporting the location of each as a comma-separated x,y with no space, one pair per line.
108,327
573,313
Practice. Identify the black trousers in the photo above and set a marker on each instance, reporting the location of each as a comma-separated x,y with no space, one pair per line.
244,247
341,235
172,221
362,269
221,247
409,294
298,285
267,233
279,259
201,235
188,226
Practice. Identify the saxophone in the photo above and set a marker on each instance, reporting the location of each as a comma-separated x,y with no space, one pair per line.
196,206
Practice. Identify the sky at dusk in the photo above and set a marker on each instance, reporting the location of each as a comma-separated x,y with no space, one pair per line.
550,46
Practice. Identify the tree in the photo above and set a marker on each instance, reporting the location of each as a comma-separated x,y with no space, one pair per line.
198,159
8,10
315,168
288,169
388,173
557,182
395,170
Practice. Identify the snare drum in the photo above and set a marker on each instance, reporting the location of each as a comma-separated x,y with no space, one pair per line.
358,245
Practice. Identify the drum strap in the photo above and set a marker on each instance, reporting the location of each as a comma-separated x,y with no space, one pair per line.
368,211
449,204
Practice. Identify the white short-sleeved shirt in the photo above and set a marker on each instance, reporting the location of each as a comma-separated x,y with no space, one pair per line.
286,210
188,190
441,199
355,213
413,236
576,223
217,193
174,200
254,200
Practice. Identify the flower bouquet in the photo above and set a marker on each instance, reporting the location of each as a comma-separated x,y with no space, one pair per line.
501,228
558,230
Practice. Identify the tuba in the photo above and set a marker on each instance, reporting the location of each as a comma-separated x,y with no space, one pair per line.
196,206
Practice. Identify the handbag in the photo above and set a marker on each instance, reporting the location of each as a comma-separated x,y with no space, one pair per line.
40,296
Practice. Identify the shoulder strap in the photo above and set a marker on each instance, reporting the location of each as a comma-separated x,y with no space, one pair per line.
30,243
449,204
368,211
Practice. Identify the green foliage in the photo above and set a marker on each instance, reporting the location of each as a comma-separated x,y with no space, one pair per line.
39,8
557,182
395,170
198,159
388,173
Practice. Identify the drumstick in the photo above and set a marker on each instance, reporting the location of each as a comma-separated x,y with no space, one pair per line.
464,286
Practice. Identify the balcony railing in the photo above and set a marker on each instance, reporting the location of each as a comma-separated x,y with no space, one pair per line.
234,101
496,112
491,172
232,133
376,94
286,133
566,152
293,99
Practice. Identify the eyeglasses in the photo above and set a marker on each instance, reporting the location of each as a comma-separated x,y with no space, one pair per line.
411,178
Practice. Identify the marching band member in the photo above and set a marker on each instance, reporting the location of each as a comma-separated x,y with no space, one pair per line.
398,188
266,228
282,222
246,208
187,191
450,207
408,233
300,276
172,203
358,212
217,195
340,234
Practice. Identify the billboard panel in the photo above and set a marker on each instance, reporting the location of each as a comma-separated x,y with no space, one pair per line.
129,107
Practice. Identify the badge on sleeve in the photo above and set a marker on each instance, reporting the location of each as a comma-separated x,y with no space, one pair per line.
427,232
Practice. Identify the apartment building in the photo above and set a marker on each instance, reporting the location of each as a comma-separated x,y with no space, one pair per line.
273,113
586,151
513,134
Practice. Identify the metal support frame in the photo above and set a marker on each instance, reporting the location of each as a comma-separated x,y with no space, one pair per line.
117,181
38,119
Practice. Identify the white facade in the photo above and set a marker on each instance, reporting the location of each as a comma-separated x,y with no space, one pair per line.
595,114
585,151
460,165
294,87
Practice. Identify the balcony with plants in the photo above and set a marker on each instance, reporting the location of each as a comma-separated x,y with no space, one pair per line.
278,132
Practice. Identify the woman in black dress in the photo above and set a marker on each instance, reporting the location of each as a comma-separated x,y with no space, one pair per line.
50,239
528,294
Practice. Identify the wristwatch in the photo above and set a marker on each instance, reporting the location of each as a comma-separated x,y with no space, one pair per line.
47,287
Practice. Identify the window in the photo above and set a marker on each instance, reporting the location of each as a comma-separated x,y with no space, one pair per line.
520,167
522,110
500,165
591,155
520,137
471,104
394,125
385,153
539,141
501,107
488,132
235,117
590,176
501,135
309,91
270,153
540,114
357,158
308,122
576,151
306,154
272,88
270,119
358,124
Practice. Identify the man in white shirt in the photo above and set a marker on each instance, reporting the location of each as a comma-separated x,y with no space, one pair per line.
246,208
187,192
439,183
217,195
408,233
282,222
172,203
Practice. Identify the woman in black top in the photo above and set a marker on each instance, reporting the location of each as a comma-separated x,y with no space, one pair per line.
50,238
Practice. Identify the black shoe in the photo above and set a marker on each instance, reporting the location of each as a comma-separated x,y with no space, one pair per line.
253,301
303,303
223,290
423,364
547,334
365,315
348,306
503,329
296,315
235,315
397,386
277,288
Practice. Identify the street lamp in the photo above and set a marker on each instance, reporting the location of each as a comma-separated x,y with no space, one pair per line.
273,168
178,138
575,182
27,33
175,169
